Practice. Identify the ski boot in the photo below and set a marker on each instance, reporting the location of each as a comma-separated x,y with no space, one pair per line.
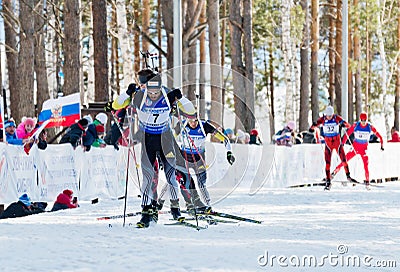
366,182
328,185
159,204
190,208
149,214
175,211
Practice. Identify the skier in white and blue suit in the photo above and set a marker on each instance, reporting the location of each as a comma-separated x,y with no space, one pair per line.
192,151
153,103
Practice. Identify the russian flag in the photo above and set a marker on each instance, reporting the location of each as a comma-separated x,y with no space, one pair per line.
63,111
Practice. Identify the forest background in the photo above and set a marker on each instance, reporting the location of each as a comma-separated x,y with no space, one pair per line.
53,47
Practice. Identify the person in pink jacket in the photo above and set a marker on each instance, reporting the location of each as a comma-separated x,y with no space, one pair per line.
65,200
26,128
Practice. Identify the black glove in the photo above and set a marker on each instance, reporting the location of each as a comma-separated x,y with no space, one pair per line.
382,148
177,93
116,147
230,157
131,89
108,107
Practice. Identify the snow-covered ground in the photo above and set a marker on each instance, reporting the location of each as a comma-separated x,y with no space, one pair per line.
345,229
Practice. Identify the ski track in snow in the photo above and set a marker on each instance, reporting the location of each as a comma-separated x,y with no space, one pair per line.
296,222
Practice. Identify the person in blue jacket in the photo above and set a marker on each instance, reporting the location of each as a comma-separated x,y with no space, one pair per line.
11,135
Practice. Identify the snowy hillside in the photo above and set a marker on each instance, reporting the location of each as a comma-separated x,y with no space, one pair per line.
299,225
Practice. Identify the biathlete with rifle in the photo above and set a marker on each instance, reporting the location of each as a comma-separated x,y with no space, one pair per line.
153,104
192,151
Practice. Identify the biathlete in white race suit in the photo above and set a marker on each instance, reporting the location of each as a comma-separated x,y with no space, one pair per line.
153,103
192,149
362,131
331,123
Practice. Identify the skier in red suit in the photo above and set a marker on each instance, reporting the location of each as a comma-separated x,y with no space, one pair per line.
331,123
362,131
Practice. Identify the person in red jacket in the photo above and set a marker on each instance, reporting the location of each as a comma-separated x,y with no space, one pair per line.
395,136
331,124
362,131
65,201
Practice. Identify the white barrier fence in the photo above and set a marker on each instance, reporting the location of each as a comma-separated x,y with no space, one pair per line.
102,172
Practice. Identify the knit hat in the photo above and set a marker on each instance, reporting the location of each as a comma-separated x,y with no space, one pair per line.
145,75
254,132
228,131
9,123
100,129
154,83
329,111
29,121
83,122
291,125
102,117
89,118
68,192
25,199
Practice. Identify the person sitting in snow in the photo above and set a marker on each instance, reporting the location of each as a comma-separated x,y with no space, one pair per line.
65,200
23,207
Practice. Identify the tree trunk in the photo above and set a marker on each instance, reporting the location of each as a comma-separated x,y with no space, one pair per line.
382,53
40,57
26,61
100,41
216,113
288,60
167,16
338,59
305,70
397,88
331,50
238,74
314,60
11,55
145,23
202,60
136,38
271,84
249,122
72,48
357,59
124,43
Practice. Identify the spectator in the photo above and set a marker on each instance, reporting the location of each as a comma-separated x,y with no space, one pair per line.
75,132
240,137
91,137
395,136
309,137
11,136
254,138
26,128
23,207
42,140
65,200
286,135
99,142
229,133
